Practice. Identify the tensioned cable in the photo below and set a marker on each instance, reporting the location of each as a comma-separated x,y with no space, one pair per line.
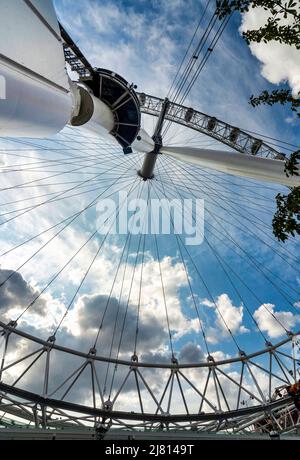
77,214
203,282
58,273
123,322
107,303
81,186
190,173
189,47
52,199
252,292
213,44
221,261
189,281
55,200
247,230
218,310
258,206
255,235
94,201
42,147
130,290
272,138
128,240
258,267
142,271
192,61
116,215
202,63
214,214
164,294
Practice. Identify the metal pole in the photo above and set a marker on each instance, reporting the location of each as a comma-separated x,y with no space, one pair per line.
147,171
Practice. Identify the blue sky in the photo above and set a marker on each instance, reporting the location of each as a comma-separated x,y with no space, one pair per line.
144,41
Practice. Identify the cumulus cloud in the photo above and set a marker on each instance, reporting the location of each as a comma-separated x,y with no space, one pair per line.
280,62
92,310
273,322
191,353
228,316
16,293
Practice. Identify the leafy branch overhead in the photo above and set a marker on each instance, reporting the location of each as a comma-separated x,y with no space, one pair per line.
291,164
275,28
283,26
286,220
278,96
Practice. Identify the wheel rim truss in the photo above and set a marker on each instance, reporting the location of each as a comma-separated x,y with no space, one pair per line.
45,409
219,130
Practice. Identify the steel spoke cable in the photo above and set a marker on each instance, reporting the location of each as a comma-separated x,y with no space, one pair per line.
74,217
189,47
243,228
178,237
258,207
190,66
231,335
213,214
106,157
225,242
60,151
208,53
204,60
192,61
58,273
261,302
72,138
224,189
43,169
259,268
127,305
230,203
272,138
52,162
255,236
117,315
209,174
277,288
92,263
101,180
29,209
44,178
59,223
115,323
235,182
231,282
164,293
128,241
217,235
130,289
141,277
8,153
85,139
58,174
188,280
55,199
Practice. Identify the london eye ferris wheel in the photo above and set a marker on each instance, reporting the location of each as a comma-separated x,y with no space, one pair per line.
137,331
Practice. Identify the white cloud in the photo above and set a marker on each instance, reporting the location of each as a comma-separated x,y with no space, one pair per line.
280,62
228,316
274,326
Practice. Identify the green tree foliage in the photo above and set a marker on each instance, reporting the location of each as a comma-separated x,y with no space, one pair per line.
283,26
278,96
